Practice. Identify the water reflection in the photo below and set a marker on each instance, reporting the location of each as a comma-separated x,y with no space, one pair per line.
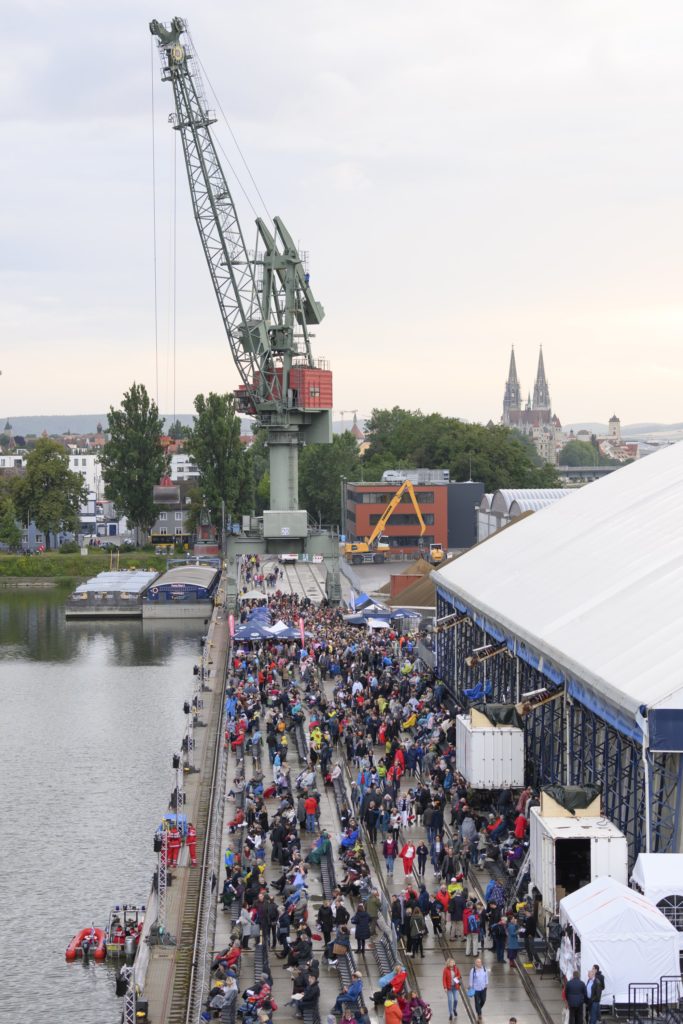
33,628
91,715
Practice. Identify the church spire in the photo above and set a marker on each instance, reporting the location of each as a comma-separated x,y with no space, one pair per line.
512,401
541,391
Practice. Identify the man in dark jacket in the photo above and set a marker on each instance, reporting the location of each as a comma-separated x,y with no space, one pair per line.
325,921
575,994
311,997
594,990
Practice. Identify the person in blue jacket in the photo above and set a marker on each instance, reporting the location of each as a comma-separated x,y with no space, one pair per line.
350,994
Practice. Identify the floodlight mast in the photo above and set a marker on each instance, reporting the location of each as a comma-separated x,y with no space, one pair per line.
264,298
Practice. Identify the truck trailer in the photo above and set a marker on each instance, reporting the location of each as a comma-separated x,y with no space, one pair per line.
488,756
568,852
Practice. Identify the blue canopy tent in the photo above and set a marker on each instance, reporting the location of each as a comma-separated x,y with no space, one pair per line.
252,631
356,620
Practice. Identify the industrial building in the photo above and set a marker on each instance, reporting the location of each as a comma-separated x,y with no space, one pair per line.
502,507
577,614
448,510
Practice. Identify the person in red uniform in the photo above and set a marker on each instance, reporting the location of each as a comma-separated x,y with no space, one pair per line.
173,843
192,843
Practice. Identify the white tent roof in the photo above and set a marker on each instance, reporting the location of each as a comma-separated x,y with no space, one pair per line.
659,875
621,931
502,500
378,624
593,582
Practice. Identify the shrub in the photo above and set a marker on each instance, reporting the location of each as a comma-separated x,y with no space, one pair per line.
69,547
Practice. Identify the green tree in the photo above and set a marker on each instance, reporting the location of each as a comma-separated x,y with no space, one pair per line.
579,453
177,431
214,443
258,453
493,454
49,493
133,459
321,467
10,533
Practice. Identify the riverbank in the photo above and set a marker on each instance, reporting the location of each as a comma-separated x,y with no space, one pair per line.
34,570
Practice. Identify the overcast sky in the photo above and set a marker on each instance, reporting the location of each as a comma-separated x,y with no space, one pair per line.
464,176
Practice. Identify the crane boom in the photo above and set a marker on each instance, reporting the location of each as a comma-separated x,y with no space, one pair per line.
265,299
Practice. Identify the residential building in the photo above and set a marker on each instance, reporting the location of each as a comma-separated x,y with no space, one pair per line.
172,525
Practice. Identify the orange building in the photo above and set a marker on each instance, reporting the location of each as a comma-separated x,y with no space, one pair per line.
365,504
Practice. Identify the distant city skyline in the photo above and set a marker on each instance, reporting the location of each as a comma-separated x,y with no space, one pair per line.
462,178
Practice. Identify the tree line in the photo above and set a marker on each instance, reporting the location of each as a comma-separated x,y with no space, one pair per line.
233,480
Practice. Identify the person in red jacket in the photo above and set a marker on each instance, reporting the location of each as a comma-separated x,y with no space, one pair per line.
452,980
442,896
311,809
407,855
520,826
192,843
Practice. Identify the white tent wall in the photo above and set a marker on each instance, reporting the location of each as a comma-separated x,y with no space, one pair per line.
623,933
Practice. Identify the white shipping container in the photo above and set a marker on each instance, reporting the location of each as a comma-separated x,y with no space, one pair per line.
567,853
489,757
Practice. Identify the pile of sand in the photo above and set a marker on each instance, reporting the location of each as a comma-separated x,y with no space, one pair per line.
419,567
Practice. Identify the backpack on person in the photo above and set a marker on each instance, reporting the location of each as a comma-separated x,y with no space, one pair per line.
472,923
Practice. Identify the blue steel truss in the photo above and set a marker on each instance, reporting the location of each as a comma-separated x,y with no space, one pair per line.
567,742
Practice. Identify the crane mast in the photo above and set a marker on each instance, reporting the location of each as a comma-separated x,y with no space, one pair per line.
265,299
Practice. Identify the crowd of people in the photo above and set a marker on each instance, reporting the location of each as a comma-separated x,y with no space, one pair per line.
366,701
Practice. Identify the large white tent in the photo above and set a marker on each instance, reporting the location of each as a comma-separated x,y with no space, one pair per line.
623,933
592,585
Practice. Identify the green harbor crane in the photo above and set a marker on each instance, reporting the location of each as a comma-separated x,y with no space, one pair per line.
265,298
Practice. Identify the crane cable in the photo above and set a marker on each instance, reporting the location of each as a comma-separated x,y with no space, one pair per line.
234,139
154,232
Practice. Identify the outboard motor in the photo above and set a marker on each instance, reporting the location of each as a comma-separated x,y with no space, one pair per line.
129,945
85,950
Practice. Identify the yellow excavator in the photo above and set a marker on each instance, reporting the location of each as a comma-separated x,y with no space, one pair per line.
436,554
374,547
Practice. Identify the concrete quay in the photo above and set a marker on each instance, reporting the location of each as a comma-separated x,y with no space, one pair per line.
163,971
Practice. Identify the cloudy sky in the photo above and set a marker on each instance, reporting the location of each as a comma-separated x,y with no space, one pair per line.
464,176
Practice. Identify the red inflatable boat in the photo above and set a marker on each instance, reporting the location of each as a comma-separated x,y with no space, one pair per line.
89,942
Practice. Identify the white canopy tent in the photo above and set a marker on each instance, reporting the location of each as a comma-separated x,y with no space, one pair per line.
659,877
378,624
623,933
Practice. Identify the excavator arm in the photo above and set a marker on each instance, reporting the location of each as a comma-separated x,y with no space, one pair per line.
391,508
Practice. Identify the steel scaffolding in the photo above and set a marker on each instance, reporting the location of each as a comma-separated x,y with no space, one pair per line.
566,741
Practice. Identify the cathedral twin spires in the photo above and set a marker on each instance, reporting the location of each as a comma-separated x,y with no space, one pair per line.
538,410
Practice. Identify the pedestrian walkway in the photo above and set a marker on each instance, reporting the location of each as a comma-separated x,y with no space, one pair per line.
166,980
506,995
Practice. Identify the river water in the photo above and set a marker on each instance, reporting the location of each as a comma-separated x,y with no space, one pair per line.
90,716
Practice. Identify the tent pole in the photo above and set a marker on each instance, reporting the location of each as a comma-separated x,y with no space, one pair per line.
646,783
